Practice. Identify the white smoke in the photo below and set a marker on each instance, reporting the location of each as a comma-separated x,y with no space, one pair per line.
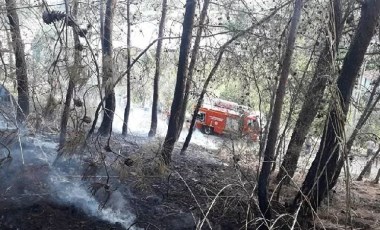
64,183
75,193
139,125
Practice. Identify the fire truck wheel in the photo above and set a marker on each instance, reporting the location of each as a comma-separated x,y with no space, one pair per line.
207,130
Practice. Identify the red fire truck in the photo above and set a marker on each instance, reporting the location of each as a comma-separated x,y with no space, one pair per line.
225,117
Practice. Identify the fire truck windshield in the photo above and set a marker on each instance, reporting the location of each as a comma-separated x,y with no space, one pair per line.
201,117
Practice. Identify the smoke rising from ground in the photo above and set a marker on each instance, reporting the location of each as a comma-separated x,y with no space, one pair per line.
37,179
139,125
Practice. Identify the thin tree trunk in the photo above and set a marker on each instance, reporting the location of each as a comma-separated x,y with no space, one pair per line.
128,106
276,116
200,100
73,75
94,122
11,61
194,56
101,17
109,108
376,181
294,99
161,28
282,139
175,113
316,184
367,167
369,108
211,74
313,98
21,67
264,134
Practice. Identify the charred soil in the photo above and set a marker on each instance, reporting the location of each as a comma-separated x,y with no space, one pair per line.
209,188
49,215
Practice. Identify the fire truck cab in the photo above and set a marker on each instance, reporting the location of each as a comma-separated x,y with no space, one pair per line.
225,117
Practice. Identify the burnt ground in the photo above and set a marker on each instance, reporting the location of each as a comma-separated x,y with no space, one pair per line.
217,184
49,215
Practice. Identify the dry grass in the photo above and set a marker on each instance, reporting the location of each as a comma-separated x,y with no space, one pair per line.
74,144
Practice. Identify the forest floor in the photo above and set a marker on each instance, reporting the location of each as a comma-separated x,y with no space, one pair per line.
212,188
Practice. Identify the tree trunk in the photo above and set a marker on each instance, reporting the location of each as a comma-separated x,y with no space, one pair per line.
101,17
11,61
73,74
21,68
194,56
109,108
370,106
367,167
153,125
128,106
295,97
264,133
175,112
212,73
316,184
94,122
376,181
276,116
313,99
200,100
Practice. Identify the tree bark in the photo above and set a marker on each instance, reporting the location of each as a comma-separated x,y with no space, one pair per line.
370,106
194,56
268,116
94,122
368,166
109,108
175,112
295,97
316,184
101,17
276,116
21,67
161,28
128,106
317,86
73,74
376,181
11,61
200,100
212,73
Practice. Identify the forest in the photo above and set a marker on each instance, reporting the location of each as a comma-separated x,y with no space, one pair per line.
186,114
